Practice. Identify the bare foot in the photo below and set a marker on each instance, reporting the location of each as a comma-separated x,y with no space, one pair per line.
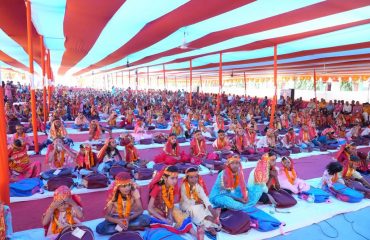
200,233
218,211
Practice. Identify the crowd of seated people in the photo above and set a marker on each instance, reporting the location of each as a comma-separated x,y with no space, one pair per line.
233,133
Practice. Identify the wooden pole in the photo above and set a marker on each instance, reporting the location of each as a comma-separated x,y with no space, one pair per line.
274,100
31,70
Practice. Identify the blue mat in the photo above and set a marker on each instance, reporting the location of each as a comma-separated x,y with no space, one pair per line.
338,227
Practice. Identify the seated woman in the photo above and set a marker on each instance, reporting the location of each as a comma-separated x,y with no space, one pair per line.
198,148
161,122
132,154
123,210
251,135
139,126
86,158
21,135
241,144
6,227
290,140
206,132
81,122
229,190
333,183
268,141
64,211
112,120
177,129
108,155
94,113
218,125
352,178
58,155
306,139
171,153
163,190
288,179
264,186
95,132
19,162
348,151
328,138
194,201
129,117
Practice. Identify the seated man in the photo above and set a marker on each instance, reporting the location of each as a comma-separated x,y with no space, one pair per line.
139,126
124,209
229,190
305,138
222,144
268,141
195,202
64,211
218,125
132,154
348,151
161,122
86,158
58,155
198,148
6,227
19,162
288,179
171,152
81,122
95,132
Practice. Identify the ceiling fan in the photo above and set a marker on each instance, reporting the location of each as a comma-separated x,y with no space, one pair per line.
185,44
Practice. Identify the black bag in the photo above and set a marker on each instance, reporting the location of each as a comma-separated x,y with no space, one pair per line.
235,222
95,180
64,172
66,234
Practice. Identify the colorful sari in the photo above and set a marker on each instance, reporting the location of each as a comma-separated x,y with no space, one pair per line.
20,165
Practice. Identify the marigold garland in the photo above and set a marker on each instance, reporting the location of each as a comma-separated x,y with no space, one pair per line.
168,196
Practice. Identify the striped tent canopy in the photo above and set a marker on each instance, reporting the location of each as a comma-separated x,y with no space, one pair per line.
96,36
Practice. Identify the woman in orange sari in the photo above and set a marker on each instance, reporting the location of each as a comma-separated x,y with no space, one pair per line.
19,162
64,211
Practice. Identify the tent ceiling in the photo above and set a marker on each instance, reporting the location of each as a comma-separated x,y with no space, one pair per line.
102,36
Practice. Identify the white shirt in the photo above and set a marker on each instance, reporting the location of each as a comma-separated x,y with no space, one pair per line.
347,108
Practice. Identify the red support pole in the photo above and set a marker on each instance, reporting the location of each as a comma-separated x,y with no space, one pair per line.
147,77
219,83
122,79
164,77
4,161
43,77
245,86
191,83
33,94
274,100
137,80
314,87
201,84
48,74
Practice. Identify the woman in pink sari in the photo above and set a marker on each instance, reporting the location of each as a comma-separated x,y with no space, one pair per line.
288,177
198,148
171,153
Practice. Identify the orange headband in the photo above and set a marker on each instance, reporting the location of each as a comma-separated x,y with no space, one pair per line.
172,174
233,159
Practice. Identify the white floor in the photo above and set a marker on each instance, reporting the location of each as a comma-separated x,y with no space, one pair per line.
299,216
